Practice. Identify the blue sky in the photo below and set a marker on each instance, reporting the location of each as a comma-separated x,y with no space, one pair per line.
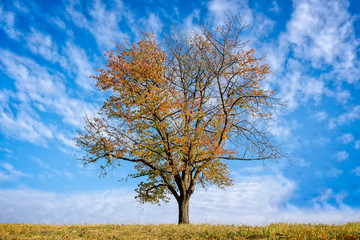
48,50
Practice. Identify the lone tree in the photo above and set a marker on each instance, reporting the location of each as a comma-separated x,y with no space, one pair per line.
180,112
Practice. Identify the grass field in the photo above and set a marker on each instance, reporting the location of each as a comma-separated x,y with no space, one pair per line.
273,231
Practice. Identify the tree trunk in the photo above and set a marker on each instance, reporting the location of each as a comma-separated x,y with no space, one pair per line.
183,203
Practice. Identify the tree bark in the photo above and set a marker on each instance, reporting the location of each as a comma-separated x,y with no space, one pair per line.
183,203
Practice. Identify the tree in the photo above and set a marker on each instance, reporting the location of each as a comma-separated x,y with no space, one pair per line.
180,112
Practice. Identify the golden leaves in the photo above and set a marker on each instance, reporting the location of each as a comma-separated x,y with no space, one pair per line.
174,113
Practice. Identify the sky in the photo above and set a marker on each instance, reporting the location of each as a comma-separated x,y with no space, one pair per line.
48,50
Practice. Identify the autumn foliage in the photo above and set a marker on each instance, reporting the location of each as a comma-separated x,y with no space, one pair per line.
180,111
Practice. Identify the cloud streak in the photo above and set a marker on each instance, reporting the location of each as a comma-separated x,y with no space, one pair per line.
319,37
252,201
38,90
102,23
9,173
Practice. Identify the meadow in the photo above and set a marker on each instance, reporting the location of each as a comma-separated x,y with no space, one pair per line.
273,231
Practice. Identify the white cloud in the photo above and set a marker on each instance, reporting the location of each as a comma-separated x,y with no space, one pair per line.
103,24
21,6
299,88
346,138
357,144
153,23
356,171
262,196
332,173
37,90
252,201
258,24
298,161
45,90
320,116
9,173
283,129
22,125
78,63
25,127
189,20
73,110
50,172
59,23
321,141
322,201
341,156
6,150
345,118
319,36
219,8
33,81
341,95
66,140
109,206
250,195
323,33
275,7
43,45
7,23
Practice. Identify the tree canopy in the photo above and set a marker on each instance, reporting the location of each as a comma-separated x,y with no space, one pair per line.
181,110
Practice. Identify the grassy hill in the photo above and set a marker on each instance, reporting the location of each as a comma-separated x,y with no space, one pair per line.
274,231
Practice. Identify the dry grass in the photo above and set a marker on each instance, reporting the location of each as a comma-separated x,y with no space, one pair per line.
273,231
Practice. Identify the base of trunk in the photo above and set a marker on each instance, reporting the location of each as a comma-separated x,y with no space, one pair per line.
183,211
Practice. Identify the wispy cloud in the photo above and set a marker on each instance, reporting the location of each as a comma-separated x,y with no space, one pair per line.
275,7
341,156
326,195
320,116
320,141
259,196
9,173
357,144
346,138
283,129
298,161
217,10
79,65
299,88
110,206
153,23
102,23
33,82
50,172
254,201
43,45
189,21
356,171
37,90
348,117
21,125
20,6
322,32
341,95
319,36
7,23
25,127
66,140
259,25
332,173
